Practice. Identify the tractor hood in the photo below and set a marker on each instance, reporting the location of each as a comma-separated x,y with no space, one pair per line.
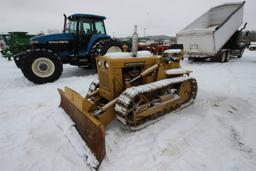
52,38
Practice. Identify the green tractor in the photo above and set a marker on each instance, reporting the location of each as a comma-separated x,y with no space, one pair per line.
15,42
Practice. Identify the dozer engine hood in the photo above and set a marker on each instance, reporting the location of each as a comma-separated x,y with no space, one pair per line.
53,38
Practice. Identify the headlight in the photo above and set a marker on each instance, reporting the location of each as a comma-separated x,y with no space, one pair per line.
106,64
99,62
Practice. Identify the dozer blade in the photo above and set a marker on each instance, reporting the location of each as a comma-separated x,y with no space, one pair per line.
90,129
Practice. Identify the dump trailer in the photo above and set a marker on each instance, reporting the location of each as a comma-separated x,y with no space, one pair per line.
215,34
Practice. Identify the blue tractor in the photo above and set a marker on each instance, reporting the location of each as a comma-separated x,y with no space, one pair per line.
83,39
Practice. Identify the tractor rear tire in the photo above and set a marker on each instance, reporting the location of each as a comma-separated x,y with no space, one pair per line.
103,47
41,66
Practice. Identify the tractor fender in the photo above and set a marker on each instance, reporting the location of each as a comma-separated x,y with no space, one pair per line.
20,57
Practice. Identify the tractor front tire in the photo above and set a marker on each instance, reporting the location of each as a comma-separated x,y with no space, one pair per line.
103,47
41,66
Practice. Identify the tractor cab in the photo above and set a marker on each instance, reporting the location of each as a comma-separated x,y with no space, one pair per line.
87,28
84,24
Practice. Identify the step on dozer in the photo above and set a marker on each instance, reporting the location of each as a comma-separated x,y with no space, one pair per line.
135,90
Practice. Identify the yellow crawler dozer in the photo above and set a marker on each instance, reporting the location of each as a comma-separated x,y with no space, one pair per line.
134,90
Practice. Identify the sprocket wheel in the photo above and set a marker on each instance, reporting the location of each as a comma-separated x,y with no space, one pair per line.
185,91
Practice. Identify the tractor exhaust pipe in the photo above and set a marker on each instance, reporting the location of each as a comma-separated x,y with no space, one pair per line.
65,23
135,42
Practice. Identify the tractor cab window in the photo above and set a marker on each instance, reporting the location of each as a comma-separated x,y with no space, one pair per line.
100,28
72,26
86,27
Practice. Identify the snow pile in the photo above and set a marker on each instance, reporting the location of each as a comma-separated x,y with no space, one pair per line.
130,93
217,132
176,71
126,97
34,133
172,51
128,54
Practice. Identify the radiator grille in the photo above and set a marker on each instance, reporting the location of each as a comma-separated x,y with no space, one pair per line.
104,80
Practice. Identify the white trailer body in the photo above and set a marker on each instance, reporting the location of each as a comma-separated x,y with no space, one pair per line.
207,35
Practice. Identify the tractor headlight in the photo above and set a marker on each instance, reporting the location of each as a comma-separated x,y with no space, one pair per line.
106,64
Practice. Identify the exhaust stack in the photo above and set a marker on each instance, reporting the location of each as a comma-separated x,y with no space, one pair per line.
135,42
65,23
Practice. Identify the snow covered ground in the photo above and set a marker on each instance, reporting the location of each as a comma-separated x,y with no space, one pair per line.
217,132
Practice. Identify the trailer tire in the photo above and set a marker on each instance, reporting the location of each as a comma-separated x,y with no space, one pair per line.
228,54
222,57
41,66
190,58
241,54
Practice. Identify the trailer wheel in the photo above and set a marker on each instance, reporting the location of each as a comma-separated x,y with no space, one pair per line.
241,54
190,58
228,54
222,57
41,66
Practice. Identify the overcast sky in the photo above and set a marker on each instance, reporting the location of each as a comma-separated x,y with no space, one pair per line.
157,16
